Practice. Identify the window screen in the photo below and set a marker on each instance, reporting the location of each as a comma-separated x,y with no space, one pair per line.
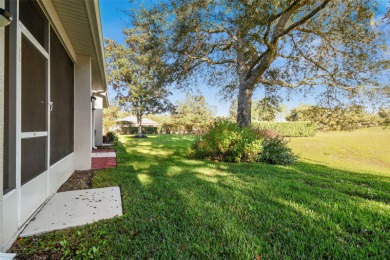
33,158
31,16
61,94
34,71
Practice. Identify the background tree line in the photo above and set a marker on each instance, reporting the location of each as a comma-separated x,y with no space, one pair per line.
194,114
335,47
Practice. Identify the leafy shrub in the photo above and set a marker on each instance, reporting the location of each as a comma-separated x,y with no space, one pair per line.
132,130
226,141
275,149
289,129
339,118
110,137
269,134
188,128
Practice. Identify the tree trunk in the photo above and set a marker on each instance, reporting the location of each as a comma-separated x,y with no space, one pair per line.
139,126
244,108
245,90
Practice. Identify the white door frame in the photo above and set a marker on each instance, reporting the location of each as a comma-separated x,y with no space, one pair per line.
40,183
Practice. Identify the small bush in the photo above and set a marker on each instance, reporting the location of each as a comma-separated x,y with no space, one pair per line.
289,129
132,130
276,151
189,128
110,137
226,141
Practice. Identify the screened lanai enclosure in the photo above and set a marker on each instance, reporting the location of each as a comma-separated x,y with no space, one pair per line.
43,60
52,68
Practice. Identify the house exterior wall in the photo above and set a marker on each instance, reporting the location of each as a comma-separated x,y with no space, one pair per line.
19,204
1,122
83,113
98,126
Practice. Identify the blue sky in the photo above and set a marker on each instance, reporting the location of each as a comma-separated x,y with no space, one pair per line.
114,19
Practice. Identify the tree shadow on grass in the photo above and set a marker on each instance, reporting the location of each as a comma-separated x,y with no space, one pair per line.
202,209
179,208
367,186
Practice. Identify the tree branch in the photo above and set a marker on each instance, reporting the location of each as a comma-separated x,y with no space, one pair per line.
313,61
208,60
218,62
304,19
289,57
271,47
273,18
275,82
305,82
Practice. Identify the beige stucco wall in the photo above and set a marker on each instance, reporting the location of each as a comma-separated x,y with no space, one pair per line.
1,121
83,113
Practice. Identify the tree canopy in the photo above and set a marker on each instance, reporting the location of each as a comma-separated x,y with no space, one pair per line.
194,110
337,118
243,45
134,70
267,108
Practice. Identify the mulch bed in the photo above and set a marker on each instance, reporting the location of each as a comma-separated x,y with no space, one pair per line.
80,180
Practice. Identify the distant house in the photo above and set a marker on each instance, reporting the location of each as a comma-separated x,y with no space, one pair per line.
132,120
52,90
128,125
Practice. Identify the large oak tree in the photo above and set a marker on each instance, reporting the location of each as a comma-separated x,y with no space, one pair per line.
258,43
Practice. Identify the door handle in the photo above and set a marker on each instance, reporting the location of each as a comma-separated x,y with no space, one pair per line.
50,105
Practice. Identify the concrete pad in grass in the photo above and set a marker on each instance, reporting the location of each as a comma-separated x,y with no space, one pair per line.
75,208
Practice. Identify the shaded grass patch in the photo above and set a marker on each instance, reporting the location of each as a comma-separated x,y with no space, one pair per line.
179,208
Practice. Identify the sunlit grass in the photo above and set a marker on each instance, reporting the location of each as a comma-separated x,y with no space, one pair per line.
178,208
144,179
363,150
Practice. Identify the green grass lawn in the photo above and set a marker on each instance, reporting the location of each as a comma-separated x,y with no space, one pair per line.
363,150
334,203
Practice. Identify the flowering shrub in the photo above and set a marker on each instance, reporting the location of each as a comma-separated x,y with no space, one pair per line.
275,149
226,141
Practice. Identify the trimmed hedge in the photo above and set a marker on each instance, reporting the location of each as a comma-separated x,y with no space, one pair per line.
146,130
173,128
289,129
